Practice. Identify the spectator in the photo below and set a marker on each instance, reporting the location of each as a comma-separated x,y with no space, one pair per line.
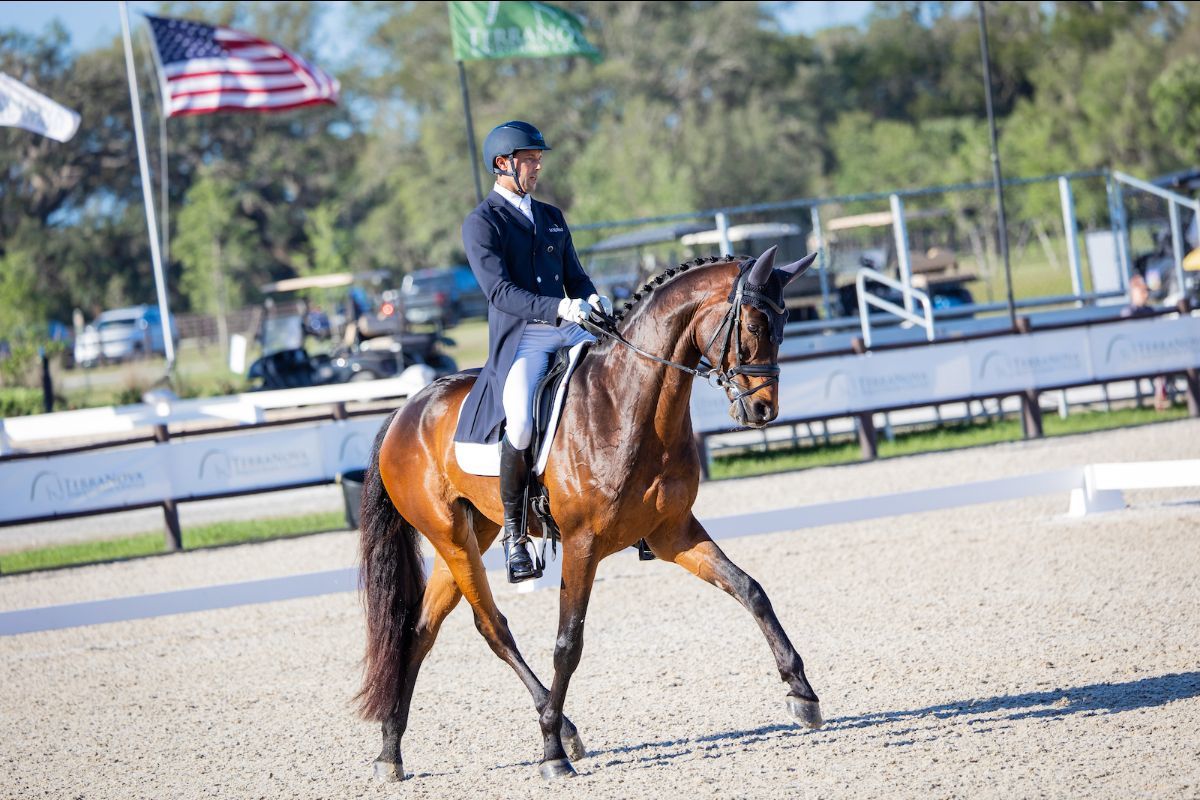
1139,296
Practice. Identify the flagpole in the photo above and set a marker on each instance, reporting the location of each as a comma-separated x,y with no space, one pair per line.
147,200
164,201
466,98
164,198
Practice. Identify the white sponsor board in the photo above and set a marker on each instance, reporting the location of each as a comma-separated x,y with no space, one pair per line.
1016,363
346,444
246,461
710,408
938,373
1139,347
184,468
79,482
830,387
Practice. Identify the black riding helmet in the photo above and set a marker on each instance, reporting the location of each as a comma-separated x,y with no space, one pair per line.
506,139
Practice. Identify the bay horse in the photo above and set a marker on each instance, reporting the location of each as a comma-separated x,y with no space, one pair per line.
623,467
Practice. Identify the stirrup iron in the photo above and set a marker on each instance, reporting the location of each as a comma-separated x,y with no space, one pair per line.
644,551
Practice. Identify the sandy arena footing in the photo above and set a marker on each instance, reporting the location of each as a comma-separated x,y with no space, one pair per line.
1001,650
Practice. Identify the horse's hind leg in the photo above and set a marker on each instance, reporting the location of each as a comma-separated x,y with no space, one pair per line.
460,544
440,598
691,548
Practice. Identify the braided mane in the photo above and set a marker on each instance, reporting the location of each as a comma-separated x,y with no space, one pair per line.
664,277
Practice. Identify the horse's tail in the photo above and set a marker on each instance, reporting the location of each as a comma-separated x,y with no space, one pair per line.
392,581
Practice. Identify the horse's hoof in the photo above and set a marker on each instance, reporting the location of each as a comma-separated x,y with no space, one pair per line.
806,712
574,745
389,772
558,768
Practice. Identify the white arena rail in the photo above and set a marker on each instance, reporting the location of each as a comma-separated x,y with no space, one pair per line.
246,408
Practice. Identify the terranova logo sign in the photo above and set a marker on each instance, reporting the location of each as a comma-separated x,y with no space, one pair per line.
49,486
1126,352
481,30
245,465
876,387
1020,369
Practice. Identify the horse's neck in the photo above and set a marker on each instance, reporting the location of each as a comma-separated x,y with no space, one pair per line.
653,398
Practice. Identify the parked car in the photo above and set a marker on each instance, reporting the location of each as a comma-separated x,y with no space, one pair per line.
469,299
122,334
440,297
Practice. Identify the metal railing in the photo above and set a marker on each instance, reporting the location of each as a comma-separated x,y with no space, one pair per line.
866,299
1174,202
968,311
721,220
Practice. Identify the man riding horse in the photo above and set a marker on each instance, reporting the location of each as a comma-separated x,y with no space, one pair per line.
628,470
521,253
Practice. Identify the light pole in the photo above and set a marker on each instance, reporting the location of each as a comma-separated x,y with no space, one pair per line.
996,179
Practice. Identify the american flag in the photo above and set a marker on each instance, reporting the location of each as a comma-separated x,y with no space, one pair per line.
206,68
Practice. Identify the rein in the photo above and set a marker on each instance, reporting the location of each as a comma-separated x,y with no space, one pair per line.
712,374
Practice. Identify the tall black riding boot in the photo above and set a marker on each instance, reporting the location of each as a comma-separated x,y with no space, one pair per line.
514,478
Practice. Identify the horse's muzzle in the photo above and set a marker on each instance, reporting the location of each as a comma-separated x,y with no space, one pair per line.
751,413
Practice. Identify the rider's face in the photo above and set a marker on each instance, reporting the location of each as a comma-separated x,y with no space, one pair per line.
527,164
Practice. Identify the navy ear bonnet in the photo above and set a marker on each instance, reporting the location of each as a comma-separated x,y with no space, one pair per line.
766,297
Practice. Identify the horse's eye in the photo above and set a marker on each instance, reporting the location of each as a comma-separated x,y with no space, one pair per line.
754,330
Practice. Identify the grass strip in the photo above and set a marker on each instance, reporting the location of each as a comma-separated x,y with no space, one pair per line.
63,555
219,533
146,544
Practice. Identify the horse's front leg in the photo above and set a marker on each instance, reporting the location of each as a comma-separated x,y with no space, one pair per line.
690,547
578,573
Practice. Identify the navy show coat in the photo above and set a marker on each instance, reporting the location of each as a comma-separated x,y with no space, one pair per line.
524,270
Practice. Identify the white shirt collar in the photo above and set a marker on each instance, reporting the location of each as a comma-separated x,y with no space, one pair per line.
523,203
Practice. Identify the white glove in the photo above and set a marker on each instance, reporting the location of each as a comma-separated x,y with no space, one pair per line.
574,310
602,301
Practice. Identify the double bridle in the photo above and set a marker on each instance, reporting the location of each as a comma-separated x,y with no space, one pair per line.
731,324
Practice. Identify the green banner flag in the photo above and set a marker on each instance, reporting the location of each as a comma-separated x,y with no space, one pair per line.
515,30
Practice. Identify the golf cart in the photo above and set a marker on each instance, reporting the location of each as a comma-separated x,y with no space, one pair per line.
364,345
801,297
937,270
618,273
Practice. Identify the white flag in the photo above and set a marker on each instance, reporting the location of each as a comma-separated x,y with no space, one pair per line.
22,107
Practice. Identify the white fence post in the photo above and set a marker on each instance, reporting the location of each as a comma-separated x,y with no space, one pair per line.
901,232
1072,237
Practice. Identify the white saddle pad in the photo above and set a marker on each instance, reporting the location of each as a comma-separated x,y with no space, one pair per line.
484,459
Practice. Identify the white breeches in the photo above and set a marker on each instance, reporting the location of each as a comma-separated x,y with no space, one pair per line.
538,345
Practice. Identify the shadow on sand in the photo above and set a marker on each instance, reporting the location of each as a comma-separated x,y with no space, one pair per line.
1097,698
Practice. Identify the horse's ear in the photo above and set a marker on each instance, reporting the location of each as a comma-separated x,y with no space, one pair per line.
763,265
797,268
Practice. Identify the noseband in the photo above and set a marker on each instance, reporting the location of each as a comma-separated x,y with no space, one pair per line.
743,293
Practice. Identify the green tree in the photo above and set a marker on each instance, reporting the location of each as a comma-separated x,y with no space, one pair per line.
328,241
20,307
216,248
1175,106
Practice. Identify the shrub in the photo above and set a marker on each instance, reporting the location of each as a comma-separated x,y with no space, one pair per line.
18,401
